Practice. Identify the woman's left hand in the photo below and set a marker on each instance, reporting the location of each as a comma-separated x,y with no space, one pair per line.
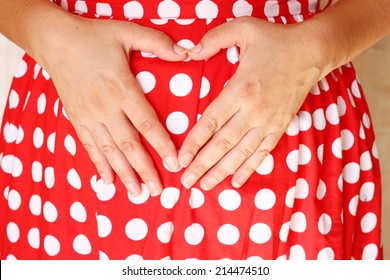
278,66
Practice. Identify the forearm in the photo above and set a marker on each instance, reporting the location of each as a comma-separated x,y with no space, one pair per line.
350,27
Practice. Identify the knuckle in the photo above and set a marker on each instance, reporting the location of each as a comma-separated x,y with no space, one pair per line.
127,146
246,151
249,88
145,126
107,148
224,144
212,124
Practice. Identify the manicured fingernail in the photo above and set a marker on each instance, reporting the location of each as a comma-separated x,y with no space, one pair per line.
189,181
132,189
208,183
153,188
238,181
171,163
185,160
195,49
179,49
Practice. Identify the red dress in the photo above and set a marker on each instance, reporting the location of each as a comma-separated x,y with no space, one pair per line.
316,196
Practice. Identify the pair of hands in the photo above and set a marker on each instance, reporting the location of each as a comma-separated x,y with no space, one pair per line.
245,122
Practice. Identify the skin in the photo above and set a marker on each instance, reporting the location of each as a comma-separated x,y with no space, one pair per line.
109,110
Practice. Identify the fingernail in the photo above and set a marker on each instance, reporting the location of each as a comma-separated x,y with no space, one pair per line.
189,181
195,49
105,178
185,160
238,181
171,164
208,183
179,49
153,188
132,189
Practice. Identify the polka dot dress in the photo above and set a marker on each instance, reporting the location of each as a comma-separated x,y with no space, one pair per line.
316,196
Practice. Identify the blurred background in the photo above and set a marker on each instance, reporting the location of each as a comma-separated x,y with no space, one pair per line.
373,69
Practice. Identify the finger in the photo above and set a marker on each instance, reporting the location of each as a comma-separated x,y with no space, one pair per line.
100,161
253,162
146,39
145,120
220,144
127,139
233,160
117,160
220,37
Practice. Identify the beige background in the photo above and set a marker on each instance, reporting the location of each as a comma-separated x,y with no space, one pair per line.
374,72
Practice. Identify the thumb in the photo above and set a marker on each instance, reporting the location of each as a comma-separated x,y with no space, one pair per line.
147,39
221,37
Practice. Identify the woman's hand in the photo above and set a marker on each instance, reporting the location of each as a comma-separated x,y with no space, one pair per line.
278,66
89,66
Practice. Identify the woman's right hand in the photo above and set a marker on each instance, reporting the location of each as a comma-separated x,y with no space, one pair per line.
88,61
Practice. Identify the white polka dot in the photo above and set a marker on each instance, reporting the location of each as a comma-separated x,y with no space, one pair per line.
232,54
260,233
353,204
169,197
49,177
134,257
366,121
319,121
33,238
206,9
271,8
315,90
292,160
340,182
103,256
320,153
242,8
321,190
41,104
38,137
367,192
104,192
20,137
375,150
284,231
362,133
177,122
324,224
104,225
196,199
142,198
351,172
52,245
229,200
78,212
298,222
6,190
301,189
13,232
265,199
82,245
51,142
185,21
35,205
204,87
103,9
305,120
341,106
146,80
297,253
168,9
180,84
12,165
14,200
347,139
228,234
55,107
351,98
159,22
164,232
45,74
326,254
37,171
70,145
355,89
370,252
336,148
21,70
332,114
13,100
10,132
266,166
136,229
74,179
194,234
293,128
26,100
323,83
64,113
304,155
368,222
365,161
37,69
290,197
133,9
50,212
294,7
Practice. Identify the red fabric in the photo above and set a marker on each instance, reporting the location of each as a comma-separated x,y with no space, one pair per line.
316,196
